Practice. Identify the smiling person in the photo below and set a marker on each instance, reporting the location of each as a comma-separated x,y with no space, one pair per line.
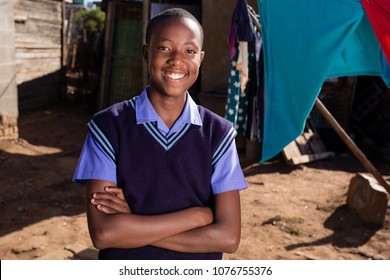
162,173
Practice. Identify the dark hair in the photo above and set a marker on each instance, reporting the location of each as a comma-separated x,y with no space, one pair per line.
174,12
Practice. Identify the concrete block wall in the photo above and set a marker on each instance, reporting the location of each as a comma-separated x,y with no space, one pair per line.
8,89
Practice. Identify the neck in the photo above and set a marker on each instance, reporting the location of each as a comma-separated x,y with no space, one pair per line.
168,108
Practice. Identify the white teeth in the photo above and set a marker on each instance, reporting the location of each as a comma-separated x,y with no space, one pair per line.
174,76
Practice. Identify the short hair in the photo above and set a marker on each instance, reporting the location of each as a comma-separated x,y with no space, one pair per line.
170,13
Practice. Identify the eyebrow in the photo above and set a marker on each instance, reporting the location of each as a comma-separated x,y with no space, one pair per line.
164,40
192,43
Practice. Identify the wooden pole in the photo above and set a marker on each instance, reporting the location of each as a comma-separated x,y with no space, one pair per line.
349,142
145,20
108,42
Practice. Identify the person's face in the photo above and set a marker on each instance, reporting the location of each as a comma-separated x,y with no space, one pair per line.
173,56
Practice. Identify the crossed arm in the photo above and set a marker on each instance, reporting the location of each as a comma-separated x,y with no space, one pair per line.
196,229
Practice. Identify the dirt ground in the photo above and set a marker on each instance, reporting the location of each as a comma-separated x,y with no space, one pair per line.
287,212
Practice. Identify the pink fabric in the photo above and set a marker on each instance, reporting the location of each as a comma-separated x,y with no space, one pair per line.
378,13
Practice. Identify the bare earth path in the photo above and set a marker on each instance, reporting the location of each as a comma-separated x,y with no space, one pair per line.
287,212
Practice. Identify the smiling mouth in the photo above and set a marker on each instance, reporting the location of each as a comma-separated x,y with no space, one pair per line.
173,75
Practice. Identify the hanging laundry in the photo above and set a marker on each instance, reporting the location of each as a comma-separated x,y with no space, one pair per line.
240,26
255,92
243,63
237,102
304,43
244,38
378,13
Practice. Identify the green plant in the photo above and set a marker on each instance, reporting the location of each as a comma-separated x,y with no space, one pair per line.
91,20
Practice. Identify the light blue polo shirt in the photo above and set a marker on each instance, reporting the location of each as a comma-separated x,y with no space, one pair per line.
94,163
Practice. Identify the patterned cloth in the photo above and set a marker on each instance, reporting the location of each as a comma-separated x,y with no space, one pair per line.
237,102
244,40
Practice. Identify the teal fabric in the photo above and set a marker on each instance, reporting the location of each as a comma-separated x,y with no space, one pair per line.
305,42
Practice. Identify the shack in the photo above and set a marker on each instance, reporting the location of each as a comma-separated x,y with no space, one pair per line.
38,51
8,91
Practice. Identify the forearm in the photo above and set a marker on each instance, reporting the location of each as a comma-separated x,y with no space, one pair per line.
211,238
125,230
131,231
221,236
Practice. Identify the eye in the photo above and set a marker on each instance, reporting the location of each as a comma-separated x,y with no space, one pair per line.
163,48
191,51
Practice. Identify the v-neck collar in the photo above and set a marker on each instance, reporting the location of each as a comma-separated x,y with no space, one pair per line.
148,117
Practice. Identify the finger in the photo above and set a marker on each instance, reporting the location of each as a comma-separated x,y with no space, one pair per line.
115,204
116,191
104,195
105,202
106,209
109,198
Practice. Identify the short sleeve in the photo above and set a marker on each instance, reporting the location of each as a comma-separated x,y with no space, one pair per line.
94,163
228,175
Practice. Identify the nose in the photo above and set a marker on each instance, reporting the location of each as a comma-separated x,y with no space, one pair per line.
176,59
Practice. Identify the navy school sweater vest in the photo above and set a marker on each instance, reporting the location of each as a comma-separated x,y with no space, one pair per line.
160,175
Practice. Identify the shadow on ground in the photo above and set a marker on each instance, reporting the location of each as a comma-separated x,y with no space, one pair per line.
348,230
36,170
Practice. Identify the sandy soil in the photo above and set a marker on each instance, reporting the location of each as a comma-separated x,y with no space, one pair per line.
287,212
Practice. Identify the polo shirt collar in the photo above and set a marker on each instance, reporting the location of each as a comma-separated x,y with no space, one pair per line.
146,113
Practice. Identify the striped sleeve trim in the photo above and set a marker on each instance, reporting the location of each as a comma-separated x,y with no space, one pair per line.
225,144
102,140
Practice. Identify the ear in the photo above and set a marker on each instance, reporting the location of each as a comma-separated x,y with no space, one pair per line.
202,54
145,53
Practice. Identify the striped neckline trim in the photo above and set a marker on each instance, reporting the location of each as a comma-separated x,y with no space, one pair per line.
166,142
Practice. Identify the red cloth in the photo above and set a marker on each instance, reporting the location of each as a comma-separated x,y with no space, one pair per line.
378,13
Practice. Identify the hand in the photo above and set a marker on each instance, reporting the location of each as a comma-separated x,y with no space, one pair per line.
111,201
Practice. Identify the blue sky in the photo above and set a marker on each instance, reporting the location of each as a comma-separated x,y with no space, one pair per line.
88,1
